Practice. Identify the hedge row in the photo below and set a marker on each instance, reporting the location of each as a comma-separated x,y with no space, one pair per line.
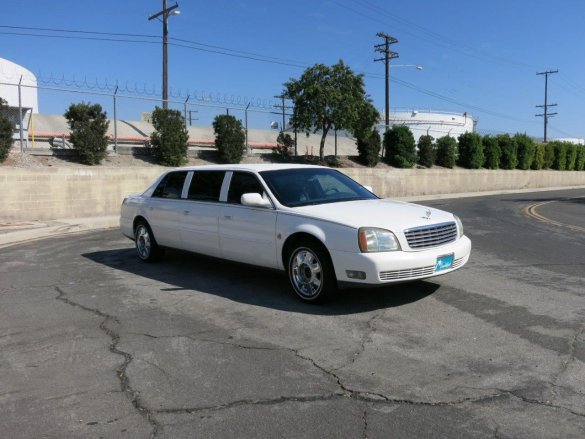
473,151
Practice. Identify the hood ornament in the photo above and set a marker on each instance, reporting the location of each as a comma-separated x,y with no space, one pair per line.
427,214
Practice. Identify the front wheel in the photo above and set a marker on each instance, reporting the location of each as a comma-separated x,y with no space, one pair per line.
310,272
146,246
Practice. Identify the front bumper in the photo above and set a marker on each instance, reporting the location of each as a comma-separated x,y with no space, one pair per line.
400,266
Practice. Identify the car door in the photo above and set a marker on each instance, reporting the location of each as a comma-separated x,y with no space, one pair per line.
247,234
163,210
200,213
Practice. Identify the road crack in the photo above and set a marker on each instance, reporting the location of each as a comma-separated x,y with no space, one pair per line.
565,364
121,370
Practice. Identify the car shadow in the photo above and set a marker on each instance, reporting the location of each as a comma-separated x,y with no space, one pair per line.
183,271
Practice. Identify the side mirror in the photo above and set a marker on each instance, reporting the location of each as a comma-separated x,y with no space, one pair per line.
255,200
369,188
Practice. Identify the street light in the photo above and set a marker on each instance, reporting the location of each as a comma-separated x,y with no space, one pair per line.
165,13
406,65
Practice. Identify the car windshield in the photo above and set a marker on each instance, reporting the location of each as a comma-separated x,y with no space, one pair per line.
308,186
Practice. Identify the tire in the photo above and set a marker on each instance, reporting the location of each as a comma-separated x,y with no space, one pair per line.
146,247
310,272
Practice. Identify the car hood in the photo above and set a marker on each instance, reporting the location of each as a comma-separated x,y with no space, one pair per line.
385,214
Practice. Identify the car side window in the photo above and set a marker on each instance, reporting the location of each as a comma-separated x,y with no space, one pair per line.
206,185
171,186
243,183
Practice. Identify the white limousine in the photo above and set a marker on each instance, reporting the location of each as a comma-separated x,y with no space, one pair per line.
320,226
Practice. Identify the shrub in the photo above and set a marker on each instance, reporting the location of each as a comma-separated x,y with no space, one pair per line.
491,151
400,147
571,157
426,151
560,156
509,156
549,155
229,138
368,146
470,151
89,125
5,133
169,141
526,149
539,154
446,151
580,162
284,146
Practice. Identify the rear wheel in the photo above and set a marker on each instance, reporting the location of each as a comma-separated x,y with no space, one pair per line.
310,272
146,247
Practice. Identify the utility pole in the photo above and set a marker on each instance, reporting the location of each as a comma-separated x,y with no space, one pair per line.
546,114
165,13
283,107
384,49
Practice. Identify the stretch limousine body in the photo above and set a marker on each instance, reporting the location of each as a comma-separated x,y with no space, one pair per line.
320,226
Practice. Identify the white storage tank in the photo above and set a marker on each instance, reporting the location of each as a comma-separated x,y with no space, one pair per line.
433,123
10,75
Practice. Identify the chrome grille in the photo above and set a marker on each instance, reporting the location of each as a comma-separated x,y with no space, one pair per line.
412,273
431,236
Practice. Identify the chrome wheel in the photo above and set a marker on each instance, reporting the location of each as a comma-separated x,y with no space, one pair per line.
143,243
306,273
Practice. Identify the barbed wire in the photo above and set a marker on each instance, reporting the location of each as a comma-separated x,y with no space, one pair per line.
136,89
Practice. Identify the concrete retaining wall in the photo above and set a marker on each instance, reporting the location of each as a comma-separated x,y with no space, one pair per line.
43,194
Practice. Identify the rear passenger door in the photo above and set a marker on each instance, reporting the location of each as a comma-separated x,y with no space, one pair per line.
164,207
200,213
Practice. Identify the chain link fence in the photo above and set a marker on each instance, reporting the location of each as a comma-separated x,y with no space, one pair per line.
130,117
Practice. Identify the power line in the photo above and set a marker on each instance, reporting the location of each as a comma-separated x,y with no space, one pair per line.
232,53
429,35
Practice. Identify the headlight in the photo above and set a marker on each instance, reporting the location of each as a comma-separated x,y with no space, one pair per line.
377,240
459,226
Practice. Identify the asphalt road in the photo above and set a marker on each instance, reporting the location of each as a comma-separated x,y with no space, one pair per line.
94,343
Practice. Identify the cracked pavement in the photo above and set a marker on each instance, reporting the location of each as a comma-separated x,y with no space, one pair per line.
94,343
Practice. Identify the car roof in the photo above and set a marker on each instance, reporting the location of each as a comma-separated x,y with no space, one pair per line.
255,167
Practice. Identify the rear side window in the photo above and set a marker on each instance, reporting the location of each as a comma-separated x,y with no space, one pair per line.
243,183
171,186
206,185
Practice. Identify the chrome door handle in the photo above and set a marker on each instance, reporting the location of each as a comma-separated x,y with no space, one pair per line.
227,217
186,212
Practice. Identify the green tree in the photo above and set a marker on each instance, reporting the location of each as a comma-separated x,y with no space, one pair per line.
446,151
539,152
88,124
284,146
492,152
560,156
526,150
426,151
369,145
549,155
170,138
470,151
230,138
5,132
571,157
580,163
327,97
509,156
399,146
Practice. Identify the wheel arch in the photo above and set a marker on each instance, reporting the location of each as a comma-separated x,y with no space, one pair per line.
316,236
138,219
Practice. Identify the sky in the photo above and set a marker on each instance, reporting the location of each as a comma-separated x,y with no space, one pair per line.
477,57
